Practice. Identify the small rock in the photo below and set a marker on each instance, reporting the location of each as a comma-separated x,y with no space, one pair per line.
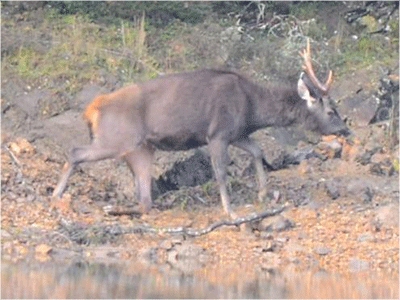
277,223
84,209
328,138
332,189
351,148
332,149
364,158
283,224
30,198
294,260
282,240
310,165
360,189
322,250
314,205
384,168
12,196
21,146
379,157
388,215
302,154
366,237
367,195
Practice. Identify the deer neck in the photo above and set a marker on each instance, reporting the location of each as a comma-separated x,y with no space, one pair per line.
278,106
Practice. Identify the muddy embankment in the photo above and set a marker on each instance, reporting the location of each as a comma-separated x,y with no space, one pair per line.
342,196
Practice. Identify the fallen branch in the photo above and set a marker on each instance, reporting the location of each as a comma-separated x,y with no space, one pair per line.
198,232
86,234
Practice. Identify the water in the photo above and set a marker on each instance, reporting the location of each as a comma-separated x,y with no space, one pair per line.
130,280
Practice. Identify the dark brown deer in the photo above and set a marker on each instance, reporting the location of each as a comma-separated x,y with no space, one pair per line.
205,107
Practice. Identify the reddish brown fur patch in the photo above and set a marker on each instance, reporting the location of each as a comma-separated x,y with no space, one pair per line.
92,112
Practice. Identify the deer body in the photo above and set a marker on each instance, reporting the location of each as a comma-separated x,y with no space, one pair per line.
188,110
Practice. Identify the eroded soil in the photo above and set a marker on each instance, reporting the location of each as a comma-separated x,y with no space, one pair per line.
341,197
341,215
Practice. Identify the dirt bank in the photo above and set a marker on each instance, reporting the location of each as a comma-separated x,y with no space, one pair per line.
342,215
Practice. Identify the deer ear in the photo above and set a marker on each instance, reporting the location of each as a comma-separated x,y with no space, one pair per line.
304,92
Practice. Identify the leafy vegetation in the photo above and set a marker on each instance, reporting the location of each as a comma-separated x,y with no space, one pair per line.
133,41
159,13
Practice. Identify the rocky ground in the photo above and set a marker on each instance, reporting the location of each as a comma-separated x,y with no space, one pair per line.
341,197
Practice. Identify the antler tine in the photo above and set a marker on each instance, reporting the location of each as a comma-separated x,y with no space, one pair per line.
308,68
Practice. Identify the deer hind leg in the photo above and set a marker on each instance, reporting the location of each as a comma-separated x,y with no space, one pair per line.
220,159
250,146
140,163
79,155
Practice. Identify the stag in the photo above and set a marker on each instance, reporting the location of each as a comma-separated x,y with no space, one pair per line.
205,107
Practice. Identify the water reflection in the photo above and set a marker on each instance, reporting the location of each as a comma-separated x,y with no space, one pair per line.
100,280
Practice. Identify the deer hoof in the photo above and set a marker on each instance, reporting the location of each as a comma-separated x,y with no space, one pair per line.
233,215
145,207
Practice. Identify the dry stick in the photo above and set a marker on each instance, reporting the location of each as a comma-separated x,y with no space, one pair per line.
195,233
14,158
83,235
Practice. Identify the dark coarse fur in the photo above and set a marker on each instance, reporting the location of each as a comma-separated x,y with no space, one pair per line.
188,110
207,103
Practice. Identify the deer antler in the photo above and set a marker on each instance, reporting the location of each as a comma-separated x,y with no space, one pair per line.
308,68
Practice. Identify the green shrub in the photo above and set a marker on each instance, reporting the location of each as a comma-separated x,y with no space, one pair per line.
159,13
